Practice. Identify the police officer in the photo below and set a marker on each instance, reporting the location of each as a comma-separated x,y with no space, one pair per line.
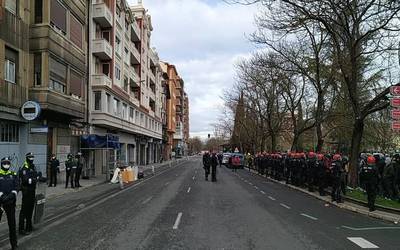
54,169
337,171
321,173
207,164
79,167
8,197
214,164
311,170
27,178
70,169
369,176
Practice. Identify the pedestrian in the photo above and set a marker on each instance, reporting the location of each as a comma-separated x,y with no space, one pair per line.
70,168
311,169
214,164
8,198
28,177
389,181
54,170
220,156
206,164
79,167
369,177
321,174
337,171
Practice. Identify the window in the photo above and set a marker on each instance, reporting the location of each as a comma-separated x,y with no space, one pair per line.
10,65
126,56
106,69
116,106
37,68
137,117
76,82
106,35
9,132
11,6
147,122
141,119
58,74
108,103
97,100
117,73
126,84
118,45
124,111
75,31
58,16
131,113
38,11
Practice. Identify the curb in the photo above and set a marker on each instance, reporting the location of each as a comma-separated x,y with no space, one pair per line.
391,218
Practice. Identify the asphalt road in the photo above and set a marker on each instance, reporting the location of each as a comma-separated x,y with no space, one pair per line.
178,209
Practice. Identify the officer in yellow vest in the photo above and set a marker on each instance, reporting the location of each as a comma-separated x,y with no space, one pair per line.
28,178
8,197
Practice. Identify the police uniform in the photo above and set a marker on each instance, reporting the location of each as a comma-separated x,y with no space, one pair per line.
8,197
70,170
79,168
337,171
369,176
27,178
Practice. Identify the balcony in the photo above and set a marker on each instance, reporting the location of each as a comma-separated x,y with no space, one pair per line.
135,55
135,32
12,95
101,81
102,15
134,101
133,76
102,49
60,103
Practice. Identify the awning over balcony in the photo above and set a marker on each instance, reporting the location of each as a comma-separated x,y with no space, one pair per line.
100,142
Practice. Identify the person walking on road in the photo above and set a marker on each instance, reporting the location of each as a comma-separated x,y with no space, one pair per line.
8,197
220,156
214,164
369,176
54,170
28,177
79,167
206,164
70,169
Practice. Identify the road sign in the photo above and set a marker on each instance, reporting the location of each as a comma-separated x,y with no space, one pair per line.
395,90
396,125
395,102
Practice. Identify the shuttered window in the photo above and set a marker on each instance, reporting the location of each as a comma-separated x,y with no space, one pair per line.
58,74
10,65
76,81
11,6
58,15
75,31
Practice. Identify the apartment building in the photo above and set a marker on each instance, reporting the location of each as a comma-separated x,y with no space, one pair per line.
43,60
125,87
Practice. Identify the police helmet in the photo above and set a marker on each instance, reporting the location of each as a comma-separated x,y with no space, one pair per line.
5,161
30,156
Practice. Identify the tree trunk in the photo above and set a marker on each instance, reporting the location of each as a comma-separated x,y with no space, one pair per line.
318,122
355,150
273,142
295,142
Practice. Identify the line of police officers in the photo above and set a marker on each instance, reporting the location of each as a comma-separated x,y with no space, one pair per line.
10,183
318,170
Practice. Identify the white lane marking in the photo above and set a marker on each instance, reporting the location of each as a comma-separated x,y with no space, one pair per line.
361,242
251,183
193,177
309,216
371,228
189,189
262,192
147,200
255,187
271,198
285,206
177,221
166,184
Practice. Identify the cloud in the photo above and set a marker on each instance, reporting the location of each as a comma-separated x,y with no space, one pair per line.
204,39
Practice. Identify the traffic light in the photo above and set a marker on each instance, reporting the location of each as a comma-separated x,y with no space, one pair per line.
209,136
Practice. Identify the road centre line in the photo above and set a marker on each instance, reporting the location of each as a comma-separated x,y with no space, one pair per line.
361,242
271,198
147,200
285,206
370,228
262,192
309,216
177,221
189,190
166,184
255,187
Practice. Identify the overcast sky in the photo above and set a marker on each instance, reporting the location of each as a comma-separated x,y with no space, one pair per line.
203,38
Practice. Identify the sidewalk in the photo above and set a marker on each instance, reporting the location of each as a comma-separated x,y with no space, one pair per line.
391,217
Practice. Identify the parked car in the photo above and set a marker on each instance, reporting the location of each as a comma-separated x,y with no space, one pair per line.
241,156
225,158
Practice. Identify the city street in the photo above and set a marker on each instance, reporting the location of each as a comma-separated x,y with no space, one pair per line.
178,209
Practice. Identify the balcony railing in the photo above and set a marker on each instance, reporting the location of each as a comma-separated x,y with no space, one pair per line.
135,32
101,80
102,49
102,15
12,95
13,30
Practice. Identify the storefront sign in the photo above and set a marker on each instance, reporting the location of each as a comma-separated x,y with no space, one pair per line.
395,90
40,130
396,125
395,102
30,110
